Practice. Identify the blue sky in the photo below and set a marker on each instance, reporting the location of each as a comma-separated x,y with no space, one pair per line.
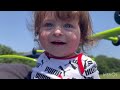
14,32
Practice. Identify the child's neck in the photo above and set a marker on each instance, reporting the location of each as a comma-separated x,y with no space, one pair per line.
64,57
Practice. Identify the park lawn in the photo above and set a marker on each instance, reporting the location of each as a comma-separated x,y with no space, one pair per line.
113,75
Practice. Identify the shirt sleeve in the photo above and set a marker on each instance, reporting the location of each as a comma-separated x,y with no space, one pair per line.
95,75
91,70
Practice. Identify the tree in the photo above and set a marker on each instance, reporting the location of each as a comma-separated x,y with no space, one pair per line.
6,50
107,65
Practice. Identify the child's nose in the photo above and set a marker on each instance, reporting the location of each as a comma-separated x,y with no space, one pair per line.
58,32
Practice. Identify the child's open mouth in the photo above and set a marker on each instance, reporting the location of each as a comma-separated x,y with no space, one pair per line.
58,43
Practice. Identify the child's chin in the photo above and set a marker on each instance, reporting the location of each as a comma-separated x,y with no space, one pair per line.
58,55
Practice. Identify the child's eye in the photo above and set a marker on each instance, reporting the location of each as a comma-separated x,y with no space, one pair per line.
67,25
48,25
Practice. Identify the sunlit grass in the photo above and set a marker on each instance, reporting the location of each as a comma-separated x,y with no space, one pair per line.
113,75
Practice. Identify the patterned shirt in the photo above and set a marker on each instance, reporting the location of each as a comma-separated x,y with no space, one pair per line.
52,68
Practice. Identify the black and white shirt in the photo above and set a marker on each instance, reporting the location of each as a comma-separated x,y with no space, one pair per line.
79,67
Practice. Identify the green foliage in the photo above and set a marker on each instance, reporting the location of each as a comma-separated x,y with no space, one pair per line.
6,50
107,65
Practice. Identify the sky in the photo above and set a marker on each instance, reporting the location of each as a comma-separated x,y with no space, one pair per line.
15,34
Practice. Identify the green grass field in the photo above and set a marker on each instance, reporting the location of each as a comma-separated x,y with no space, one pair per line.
110,75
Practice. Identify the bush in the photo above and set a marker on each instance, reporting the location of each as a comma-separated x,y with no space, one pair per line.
6,50
107,65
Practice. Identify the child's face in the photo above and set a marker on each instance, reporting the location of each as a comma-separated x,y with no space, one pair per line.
59,38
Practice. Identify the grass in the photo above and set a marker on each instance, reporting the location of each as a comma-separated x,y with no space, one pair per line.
113,75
